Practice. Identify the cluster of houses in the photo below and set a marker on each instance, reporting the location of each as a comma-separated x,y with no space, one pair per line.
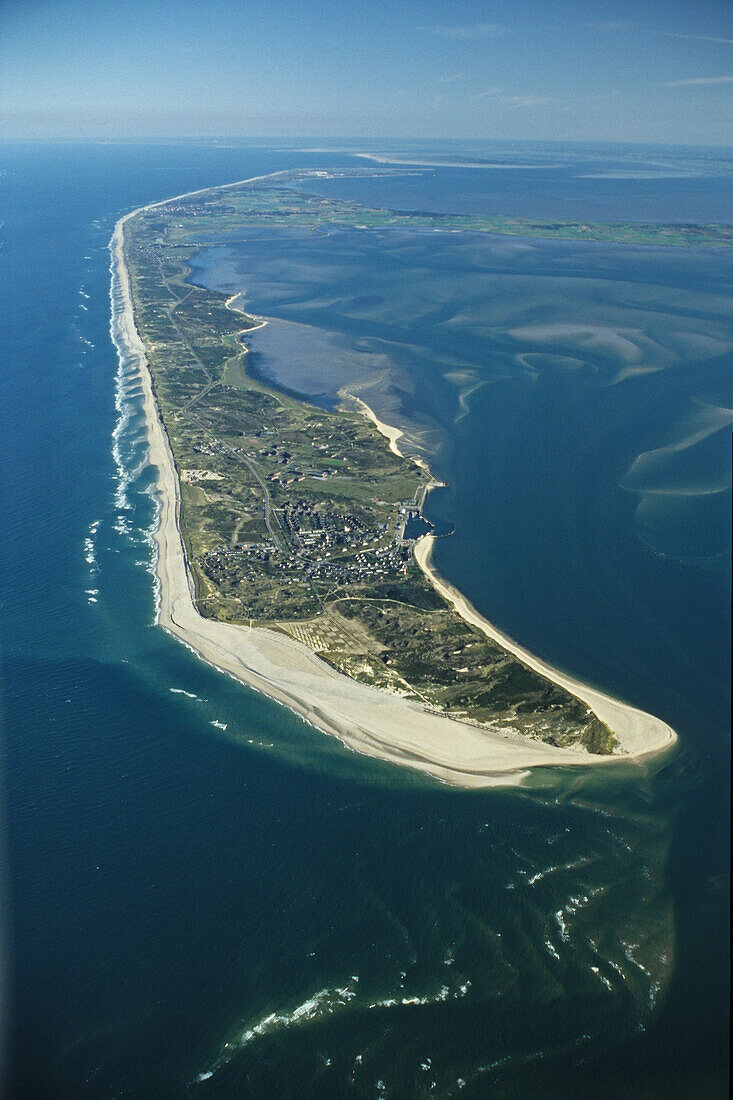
196,208
308,527
330,546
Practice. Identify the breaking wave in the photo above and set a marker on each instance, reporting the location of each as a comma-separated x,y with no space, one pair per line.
130,449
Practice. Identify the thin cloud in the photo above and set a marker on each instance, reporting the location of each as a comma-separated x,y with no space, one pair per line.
469,32
452,78
698,80
617,26
496,96
515,101
612,26
699,38
487,93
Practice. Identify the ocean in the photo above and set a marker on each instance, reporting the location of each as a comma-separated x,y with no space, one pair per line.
206,896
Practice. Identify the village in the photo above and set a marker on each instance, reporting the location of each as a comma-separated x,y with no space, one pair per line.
322,545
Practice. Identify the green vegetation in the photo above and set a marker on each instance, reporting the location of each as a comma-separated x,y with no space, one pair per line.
294,516
278,206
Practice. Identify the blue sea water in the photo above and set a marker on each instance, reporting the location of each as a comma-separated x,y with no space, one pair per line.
206,896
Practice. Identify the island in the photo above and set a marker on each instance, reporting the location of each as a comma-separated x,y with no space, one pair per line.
292,547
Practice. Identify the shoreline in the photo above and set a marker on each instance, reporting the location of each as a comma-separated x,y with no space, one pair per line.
364,718
393,435
640,734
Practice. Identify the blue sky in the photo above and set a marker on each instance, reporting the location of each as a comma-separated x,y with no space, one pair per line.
526,69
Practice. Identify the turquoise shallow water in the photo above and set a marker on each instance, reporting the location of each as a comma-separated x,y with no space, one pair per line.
346,928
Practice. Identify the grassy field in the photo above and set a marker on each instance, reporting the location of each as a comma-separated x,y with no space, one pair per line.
223,211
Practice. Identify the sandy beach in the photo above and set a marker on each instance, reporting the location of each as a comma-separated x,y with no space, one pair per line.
363,718
393,435
640,734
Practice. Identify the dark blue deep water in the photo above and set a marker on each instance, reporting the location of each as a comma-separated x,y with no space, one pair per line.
255,912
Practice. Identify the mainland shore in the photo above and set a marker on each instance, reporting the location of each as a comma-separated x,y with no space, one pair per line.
363,718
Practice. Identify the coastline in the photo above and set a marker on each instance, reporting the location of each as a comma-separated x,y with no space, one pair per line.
639,733
364,718
392,435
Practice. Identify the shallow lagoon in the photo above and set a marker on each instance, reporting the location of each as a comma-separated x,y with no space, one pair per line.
555,181
435,330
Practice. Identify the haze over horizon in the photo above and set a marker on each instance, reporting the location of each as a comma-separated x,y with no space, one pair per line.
523,70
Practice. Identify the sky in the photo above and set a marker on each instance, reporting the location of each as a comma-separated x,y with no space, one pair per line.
616,70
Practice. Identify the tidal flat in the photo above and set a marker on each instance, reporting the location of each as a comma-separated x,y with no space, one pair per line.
440,330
